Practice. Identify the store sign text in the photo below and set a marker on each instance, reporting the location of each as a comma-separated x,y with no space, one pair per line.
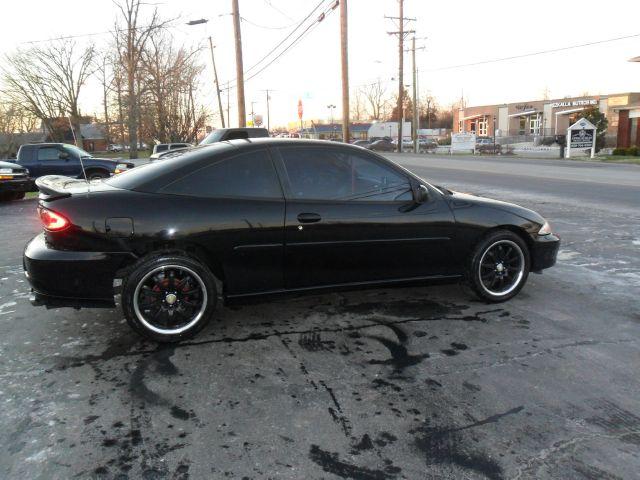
574,103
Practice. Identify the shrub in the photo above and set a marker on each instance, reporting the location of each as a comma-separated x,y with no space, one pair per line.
548,141
619,151
635,151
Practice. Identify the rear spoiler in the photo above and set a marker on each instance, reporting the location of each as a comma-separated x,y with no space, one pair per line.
52,187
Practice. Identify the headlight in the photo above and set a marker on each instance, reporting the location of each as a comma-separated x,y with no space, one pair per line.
545,230
121,167
6,171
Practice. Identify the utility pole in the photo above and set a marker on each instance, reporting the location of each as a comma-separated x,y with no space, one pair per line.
416,110
242,114
414,130
268,115
344,40
215,76
401,35
253,115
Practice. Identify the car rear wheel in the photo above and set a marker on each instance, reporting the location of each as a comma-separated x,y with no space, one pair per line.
499,266
169,298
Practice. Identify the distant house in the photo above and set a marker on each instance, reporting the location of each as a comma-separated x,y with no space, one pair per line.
94,136
10,142
327,131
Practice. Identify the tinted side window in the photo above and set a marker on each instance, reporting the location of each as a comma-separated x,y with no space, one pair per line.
246,175
331,174
162,148
48,153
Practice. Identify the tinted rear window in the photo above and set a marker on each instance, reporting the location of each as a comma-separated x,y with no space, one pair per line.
134,178
248,175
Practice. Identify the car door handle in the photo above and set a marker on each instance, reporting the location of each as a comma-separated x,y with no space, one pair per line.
309,217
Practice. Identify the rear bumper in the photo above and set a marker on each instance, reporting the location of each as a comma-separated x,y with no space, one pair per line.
22,185
544,252
62,278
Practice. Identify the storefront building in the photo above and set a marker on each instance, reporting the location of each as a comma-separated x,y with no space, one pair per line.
526,121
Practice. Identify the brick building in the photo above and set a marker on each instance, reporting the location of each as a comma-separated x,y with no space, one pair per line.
524,121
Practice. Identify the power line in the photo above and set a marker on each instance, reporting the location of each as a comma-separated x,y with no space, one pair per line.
244,19
287,37
316,22
94,34
533,54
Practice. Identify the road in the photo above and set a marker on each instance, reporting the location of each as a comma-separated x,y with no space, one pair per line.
412,383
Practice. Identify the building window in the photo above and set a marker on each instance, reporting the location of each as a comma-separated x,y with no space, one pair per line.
483,127
472,126
522,126
460,126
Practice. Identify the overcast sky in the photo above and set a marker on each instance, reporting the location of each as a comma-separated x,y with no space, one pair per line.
459,32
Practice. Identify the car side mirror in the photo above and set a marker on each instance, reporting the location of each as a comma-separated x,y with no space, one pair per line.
421,194
63,155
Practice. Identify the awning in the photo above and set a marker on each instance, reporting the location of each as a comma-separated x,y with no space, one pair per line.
573,110
476,116
523,114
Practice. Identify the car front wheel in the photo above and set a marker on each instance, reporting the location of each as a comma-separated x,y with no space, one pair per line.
499,266
169,298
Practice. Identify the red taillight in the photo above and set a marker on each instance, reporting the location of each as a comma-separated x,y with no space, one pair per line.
52,221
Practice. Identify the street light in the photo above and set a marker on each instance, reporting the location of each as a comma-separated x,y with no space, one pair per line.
331,107
215,71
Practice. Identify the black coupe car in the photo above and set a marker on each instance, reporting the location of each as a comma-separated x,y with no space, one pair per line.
167,240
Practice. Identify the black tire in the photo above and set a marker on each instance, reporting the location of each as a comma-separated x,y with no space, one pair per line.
18,195
6,196
97,175
499,266
164,285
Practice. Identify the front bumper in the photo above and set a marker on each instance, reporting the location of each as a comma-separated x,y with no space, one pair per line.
544,252
61,278
18,185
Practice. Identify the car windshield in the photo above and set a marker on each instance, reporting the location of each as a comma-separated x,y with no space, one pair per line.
76,152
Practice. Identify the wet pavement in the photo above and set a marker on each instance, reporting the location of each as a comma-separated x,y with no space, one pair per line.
421,382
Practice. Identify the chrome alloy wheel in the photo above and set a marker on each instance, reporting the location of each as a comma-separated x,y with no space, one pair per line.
170,299
501,268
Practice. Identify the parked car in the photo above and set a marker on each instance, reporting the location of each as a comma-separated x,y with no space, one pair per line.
14,181
382,145
168,154
362,143
487,145
238,219
223,134
161,148
115,148
64,159
427,143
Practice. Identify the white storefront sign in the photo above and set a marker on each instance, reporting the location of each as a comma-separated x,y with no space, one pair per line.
581,134
463,142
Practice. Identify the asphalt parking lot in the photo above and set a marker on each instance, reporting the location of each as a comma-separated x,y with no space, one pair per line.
421,382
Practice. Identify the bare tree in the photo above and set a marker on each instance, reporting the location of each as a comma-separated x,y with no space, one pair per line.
170,78
358,106
14,120
377,99
47,81
130,43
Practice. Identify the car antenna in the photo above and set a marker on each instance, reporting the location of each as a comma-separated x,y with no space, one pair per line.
84,172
